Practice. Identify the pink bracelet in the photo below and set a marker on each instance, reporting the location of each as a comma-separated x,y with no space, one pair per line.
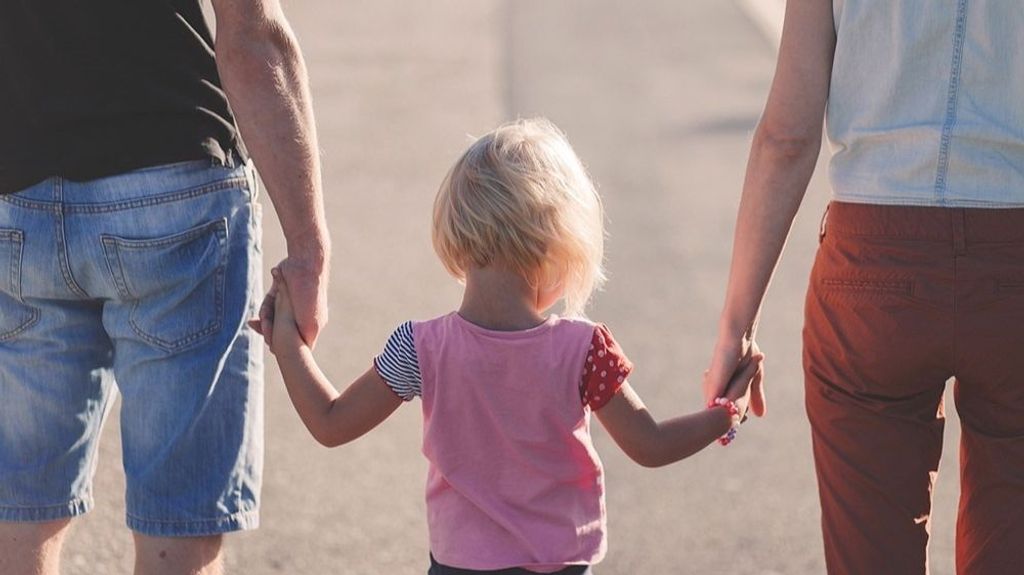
734,414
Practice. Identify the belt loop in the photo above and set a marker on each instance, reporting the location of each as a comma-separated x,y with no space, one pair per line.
821,226
959,239
228,162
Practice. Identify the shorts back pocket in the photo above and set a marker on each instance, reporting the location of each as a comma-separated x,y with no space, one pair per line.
15,315
175,284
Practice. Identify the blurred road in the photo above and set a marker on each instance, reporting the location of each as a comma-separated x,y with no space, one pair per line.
660,98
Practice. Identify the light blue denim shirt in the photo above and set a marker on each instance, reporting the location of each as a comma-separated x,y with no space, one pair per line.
926,105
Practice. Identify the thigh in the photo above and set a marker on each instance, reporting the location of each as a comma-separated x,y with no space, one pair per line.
990,401
180,262
54,377
875,368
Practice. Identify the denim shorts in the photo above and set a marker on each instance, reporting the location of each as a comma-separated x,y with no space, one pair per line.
141,284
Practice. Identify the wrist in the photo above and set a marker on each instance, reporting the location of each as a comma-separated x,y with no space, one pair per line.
310,245
289,346
731,415
312,256
731,331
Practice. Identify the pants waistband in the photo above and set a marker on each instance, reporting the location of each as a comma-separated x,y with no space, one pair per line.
960,226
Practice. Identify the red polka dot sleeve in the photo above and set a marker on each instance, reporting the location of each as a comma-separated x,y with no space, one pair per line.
606,368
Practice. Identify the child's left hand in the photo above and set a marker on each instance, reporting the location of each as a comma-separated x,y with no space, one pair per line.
284,331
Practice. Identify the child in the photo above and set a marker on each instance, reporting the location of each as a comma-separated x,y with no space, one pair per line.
514,483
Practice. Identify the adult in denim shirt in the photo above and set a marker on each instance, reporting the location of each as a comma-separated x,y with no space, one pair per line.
920,273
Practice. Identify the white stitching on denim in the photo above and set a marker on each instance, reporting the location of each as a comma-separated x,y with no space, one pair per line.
229,184
942,169
17,240
112,246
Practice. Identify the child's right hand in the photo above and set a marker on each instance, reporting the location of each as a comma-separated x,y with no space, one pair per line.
738,389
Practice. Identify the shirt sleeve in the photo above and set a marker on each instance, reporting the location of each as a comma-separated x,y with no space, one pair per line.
605,370
398,366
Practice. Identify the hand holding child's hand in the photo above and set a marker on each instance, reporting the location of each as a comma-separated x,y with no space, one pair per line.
283,330
745,380
730,357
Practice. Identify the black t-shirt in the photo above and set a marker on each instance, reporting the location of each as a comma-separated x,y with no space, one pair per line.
92,88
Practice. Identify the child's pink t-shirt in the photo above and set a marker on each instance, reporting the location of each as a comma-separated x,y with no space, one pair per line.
513,479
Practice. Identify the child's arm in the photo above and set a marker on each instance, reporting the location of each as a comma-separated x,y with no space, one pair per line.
332,418
654,444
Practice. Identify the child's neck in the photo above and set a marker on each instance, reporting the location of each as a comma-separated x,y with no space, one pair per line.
501,300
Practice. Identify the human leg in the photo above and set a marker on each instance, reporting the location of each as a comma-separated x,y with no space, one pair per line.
877,354
174,251
990,523
178,555
990,393
32,548
54,386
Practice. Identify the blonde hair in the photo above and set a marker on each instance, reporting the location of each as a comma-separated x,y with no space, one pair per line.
520,197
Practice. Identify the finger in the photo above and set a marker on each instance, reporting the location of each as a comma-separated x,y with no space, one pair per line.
758,403
306,305
255,325
267,316
279,281
306,319
716,381
740,382
304,310
724,367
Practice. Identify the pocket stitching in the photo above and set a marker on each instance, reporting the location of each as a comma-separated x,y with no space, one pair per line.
17,241
112,248
1009,286
863,285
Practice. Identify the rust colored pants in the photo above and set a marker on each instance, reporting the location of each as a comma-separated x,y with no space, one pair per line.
901,299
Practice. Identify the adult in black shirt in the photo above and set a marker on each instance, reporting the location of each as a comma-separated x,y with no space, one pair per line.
103,88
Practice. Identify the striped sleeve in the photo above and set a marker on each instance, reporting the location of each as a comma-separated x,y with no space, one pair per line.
397,364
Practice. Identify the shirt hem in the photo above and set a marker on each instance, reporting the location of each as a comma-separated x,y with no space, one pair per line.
931,202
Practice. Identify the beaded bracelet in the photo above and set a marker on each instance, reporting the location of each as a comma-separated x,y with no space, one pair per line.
734,414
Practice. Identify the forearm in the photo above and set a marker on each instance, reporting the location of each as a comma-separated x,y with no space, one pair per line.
652,443
311,393
680,437
266,82
782,158
778,172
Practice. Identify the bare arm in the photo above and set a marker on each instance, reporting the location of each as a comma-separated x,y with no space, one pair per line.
266,83
656,443
782,158
332,419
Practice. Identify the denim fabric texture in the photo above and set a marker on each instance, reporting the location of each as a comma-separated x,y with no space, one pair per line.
925,103
140,284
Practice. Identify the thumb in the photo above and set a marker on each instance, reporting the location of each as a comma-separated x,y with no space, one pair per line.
758,401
